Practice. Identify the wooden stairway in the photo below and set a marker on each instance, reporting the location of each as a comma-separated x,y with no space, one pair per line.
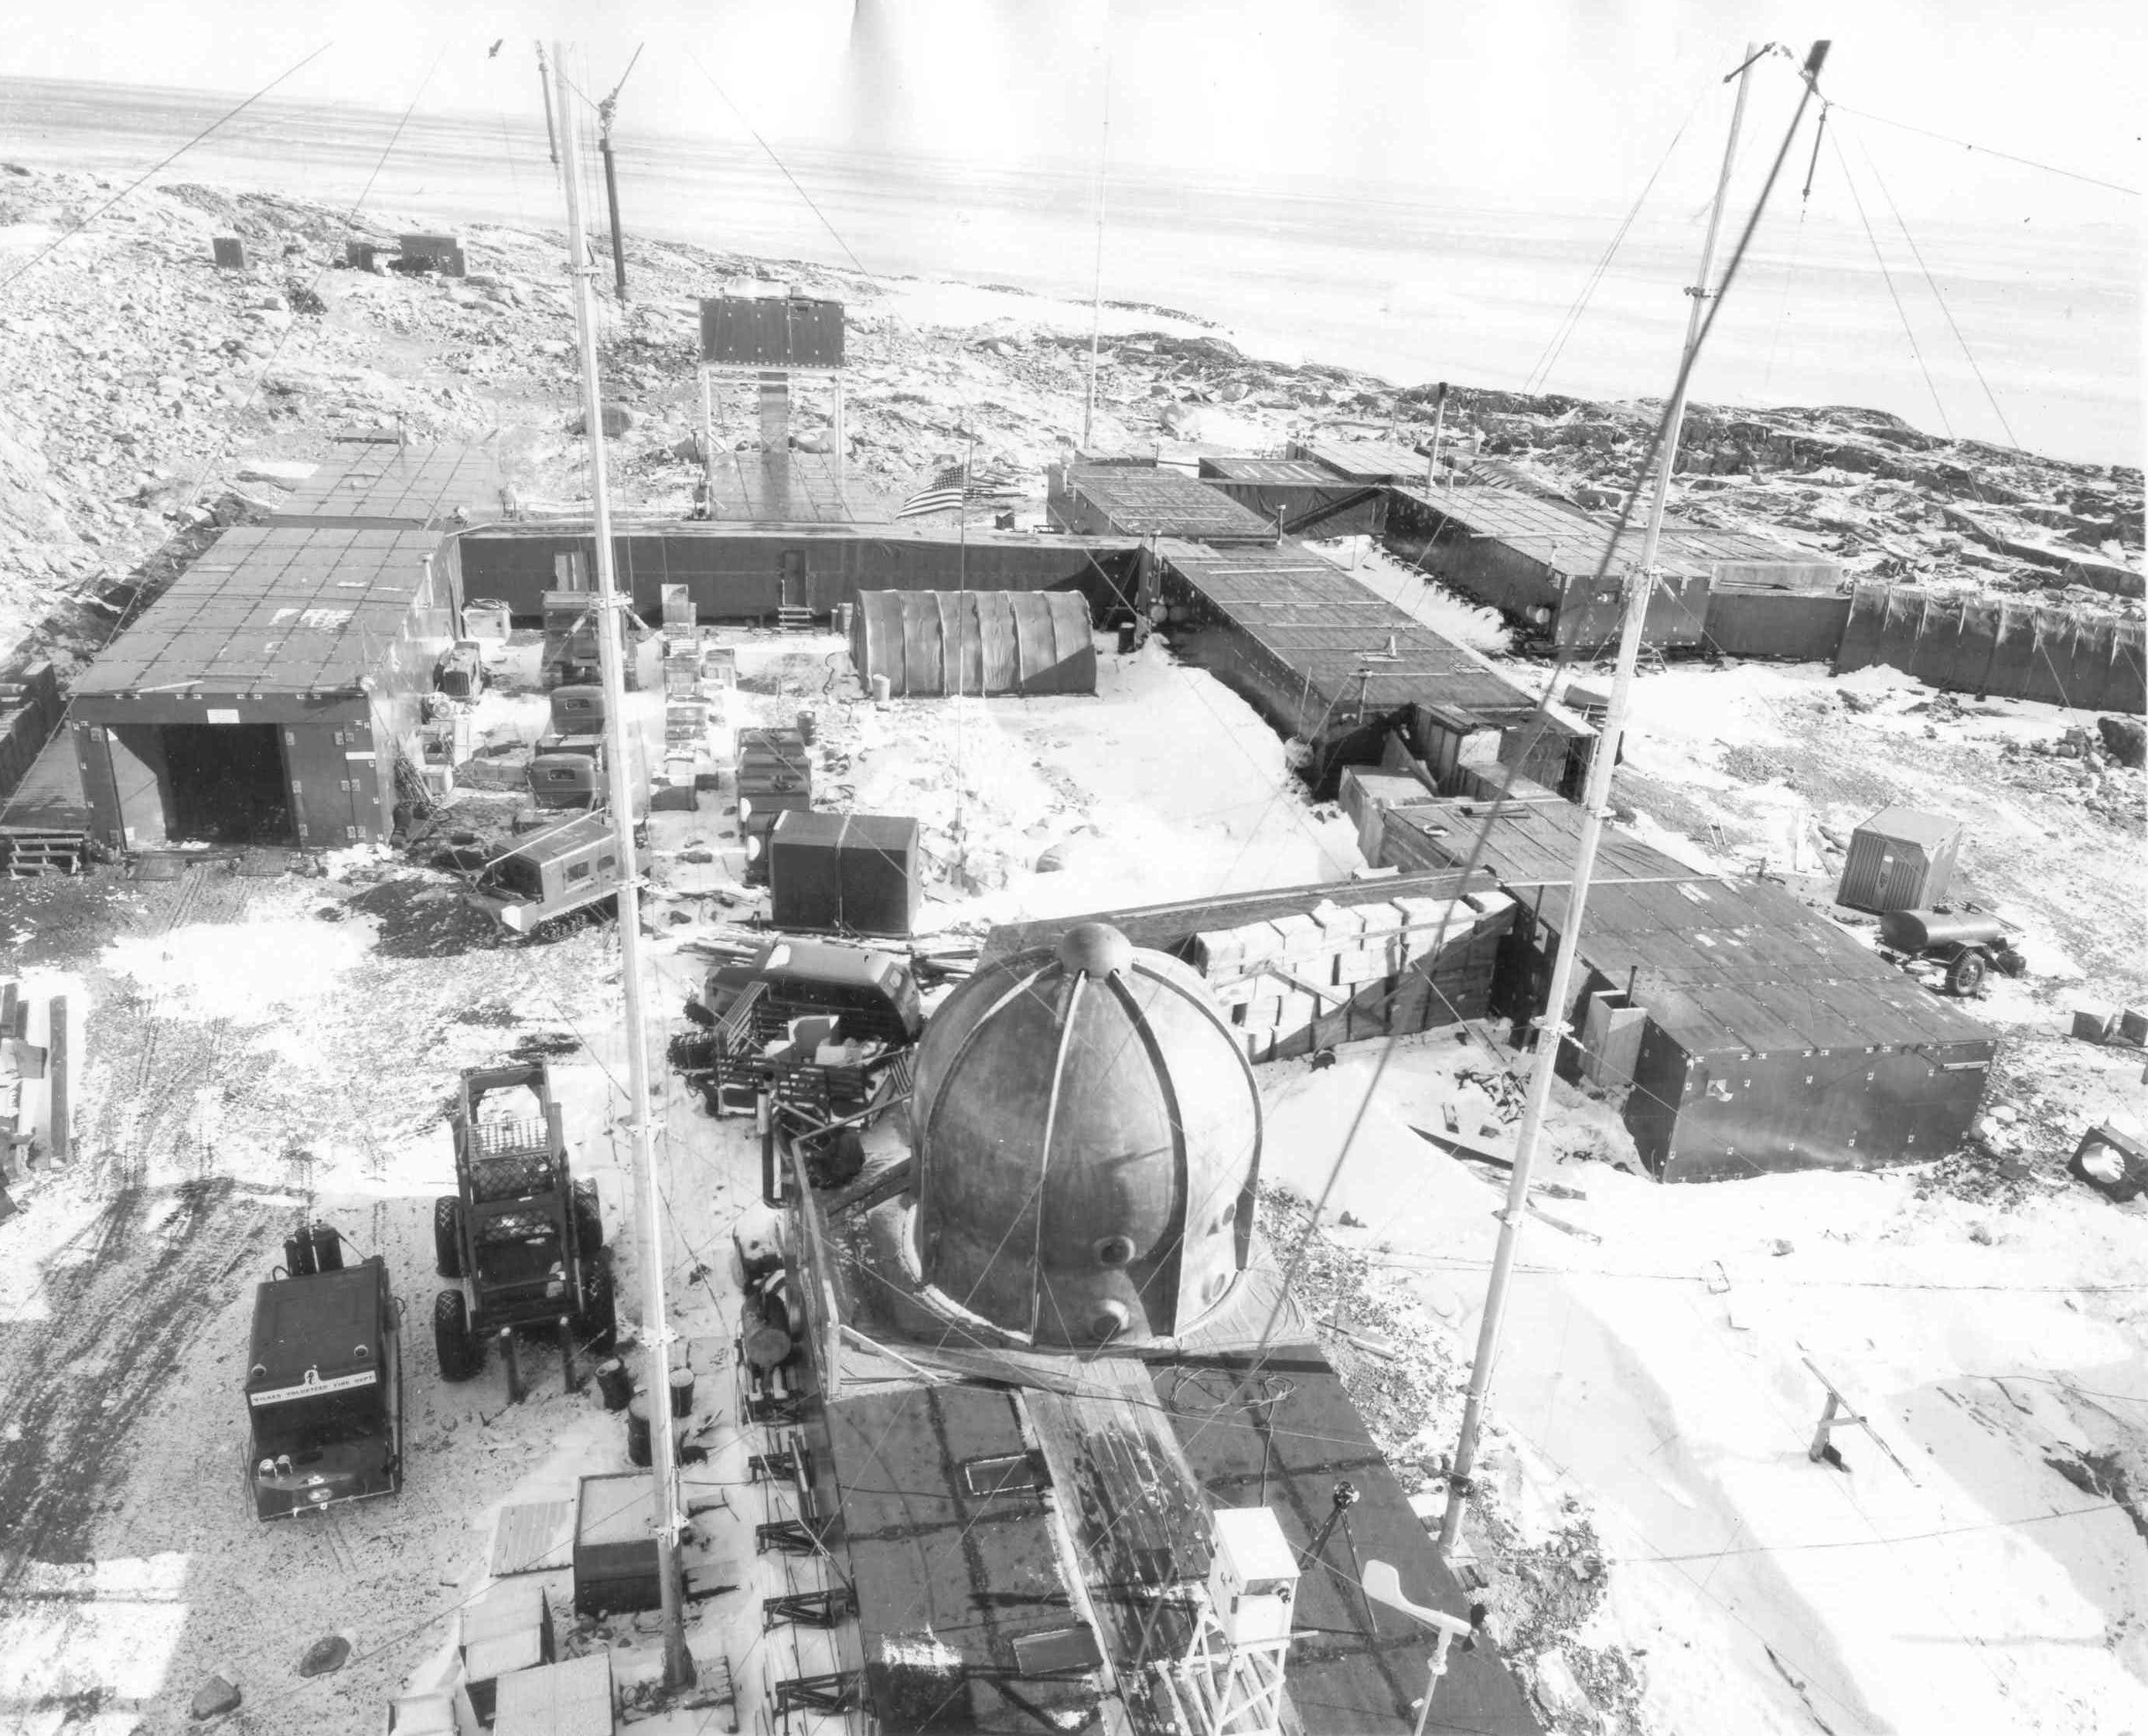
794,618
27,854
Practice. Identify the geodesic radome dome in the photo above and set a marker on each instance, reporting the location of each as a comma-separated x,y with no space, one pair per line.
1087,1134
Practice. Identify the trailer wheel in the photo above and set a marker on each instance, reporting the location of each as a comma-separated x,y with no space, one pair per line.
447,1236
589,1219
1965,975
598,1327
461,1354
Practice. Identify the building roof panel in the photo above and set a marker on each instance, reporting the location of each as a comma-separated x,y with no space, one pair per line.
277,610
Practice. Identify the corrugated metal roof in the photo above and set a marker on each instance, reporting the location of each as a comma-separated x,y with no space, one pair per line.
1363,460
1139,501
1275,472
1344,640
791,487
416,487
1572,542
272,611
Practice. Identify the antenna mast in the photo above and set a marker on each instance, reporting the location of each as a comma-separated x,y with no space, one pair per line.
544,84
678,1661
607,111
1097,293
1551,1028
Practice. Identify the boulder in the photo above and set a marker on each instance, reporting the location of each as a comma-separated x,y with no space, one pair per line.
616,417
325,1656
214,1698
2125,739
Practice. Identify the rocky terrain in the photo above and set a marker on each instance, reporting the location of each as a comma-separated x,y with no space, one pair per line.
146,396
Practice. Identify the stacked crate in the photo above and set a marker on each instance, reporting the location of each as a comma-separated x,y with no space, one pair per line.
1332,974
688,765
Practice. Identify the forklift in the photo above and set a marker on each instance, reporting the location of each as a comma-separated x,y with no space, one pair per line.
524,1239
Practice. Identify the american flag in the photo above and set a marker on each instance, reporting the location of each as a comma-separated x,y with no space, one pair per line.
947,492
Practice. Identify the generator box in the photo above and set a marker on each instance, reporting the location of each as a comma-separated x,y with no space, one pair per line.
856,873
615,1559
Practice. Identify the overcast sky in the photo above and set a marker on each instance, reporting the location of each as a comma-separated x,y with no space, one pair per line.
1545,101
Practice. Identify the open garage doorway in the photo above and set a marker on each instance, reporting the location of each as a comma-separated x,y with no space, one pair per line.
225,784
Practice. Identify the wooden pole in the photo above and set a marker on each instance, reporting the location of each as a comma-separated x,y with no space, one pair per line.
678,1661
1552,1027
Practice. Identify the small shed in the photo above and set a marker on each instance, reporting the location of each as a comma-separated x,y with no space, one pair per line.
573,1698
852,872
614,1546
442,253
1901,858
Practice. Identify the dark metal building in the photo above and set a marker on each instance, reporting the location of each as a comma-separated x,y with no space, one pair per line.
1537,561
270,694
1301,497
741,572
790,333
1748,1032
1325,661
1139,500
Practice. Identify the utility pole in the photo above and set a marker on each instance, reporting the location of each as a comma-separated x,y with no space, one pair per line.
607,110
1097,294
1552,1027
544,84
678,1661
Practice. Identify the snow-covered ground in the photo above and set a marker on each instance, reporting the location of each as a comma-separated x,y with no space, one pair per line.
1656,1369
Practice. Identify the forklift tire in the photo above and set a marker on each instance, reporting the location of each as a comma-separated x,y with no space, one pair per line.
598,1328
447,1236
461,1354
589,1219
1965,975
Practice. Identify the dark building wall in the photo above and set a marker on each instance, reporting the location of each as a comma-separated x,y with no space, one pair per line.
27,723
1803,626
1310,511
1581,613
741,577
2002,649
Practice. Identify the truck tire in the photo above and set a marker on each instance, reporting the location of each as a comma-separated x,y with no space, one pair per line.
589,1219
447,1236
598,1326
461,1354
1965,975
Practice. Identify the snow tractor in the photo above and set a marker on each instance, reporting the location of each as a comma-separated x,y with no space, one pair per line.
523,1238
324,1380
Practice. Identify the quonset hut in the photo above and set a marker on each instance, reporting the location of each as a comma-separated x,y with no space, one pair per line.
268,695
1009,1464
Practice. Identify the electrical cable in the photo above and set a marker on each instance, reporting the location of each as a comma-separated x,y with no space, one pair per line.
55,246
1932,284
1989,151
1570,322
1888,277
